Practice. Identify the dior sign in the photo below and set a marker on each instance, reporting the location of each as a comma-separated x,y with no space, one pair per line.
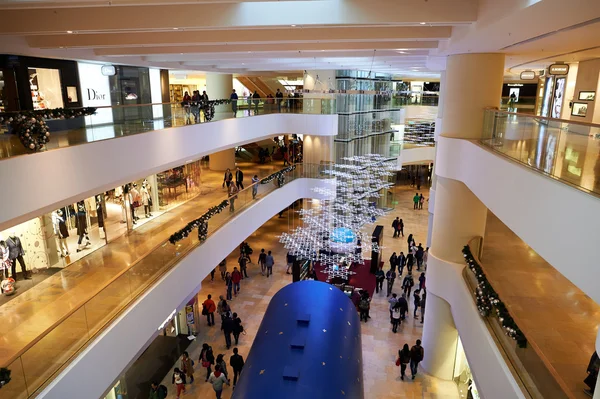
94,95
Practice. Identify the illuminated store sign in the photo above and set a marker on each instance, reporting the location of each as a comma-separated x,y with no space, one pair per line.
527,75
558,69
95,92
108,70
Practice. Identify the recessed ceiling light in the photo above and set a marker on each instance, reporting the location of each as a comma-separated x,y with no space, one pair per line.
175,28
423,23
293,25
401,52
69,31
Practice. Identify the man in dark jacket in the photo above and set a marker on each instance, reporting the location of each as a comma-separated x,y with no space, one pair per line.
157,391
236,362
227,328
379,279
391,277
401,263
403,306
239,178
395,227
419,256
416,356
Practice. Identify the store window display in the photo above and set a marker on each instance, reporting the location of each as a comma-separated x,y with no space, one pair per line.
82,227
60,232
46,89
15,254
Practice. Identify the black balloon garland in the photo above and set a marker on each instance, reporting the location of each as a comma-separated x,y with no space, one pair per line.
201,224
489,303
31,126
4,376
208,108
279,175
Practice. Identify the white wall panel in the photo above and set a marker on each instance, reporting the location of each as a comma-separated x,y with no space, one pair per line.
418,155
560,222
43,182
102,362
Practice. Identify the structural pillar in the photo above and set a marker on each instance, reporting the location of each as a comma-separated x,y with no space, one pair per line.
475,80
438,127
222,160
219,87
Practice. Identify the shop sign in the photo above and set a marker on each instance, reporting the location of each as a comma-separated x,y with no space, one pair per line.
108,70
515,85
558,69
95,92
189,314
527,75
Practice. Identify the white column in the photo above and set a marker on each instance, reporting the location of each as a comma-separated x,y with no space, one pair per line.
219,87
472,83
441,336
222,160
438,127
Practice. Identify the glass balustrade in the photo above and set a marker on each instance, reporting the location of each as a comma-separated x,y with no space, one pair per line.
567,150
34,367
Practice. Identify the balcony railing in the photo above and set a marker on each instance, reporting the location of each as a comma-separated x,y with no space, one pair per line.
566,150
39,362
532,370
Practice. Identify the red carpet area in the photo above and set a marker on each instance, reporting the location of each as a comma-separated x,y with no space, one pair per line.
362,279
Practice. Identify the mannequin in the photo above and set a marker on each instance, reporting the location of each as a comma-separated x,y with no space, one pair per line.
100,215
81,222
120,199
4,261
60,232
146,199
134,201
15,254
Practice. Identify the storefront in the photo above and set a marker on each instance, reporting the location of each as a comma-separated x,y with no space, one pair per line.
463,376
519,96
29,83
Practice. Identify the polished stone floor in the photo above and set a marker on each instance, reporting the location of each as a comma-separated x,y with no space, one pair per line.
380,345
553,313
29,315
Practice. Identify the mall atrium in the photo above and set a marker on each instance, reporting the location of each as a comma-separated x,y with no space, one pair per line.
366,199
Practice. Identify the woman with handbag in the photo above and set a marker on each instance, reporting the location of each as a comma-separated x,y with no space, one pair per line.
207,359
403,360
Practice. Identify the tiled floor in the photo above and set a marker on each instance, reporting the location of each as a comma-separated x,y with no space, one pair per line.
558,317
40,307
380,345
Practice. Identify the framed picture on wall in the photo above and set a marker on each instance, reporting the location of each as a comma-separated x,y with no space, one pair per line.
579,109
587,95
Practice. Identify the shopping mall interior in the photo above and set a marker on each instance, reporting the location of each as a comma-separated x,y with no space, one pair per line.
363,199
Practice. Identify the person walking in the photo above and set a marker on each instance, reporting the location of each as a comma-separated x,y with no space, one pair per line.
220,362
403,303
255,181
234,99
239,178
289,258
403,359
395,318
227,178
187,367
417,353
212,275
269,262
233,190
157,391
223,268
208,309
363,307
379,279
392,301
218,379
401,263
419,256
395,227
421,201
227,328
279,99
220,305
408,283
410,261
423,297
425,257
255,100
206,359
401,227
178,380
409,241
261,261
237,327
229,285
243,262
236,277
393,261
422,281
417,302
236,361
390,277
416,199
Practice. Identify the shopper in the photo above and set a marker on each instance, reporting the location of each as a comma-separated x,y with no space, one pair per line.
212,275
229,285
379,279
243,261
403,359
227,328
233,190
425,257
416,356
206,359
236,361
255,100
218,379
289,258
223,268
255,181
403,303
279,99
416,199
269,262
234,99
236,277
208,309
239,178
395,227
237,327
220,362
422,281
392,301
409,241
391,277
417,302
187,366
401,227
157,391
225,310
419,256
410,261
261,261
408,283
401,263
364,306
178,380
423,297
227,178
396,314
393,261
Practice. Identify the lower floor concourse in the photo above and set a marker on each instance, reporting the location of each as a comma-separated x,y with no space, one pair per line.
380,345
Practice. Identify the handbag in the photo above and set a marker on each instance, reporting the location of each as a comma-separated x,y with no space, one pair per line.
204,310
205,364
398,362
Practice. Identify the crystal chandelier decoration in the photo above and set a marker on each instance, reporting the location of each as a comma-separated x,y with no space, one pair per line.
332,229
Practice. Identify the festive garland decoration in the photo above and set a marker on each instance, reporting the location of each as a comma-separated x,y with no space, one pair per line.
279,175
208,108
201,224
489,303
4,376
31,126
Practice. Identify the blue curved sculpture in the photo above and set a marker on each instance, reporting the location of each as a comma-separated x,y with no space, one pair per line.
308,346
